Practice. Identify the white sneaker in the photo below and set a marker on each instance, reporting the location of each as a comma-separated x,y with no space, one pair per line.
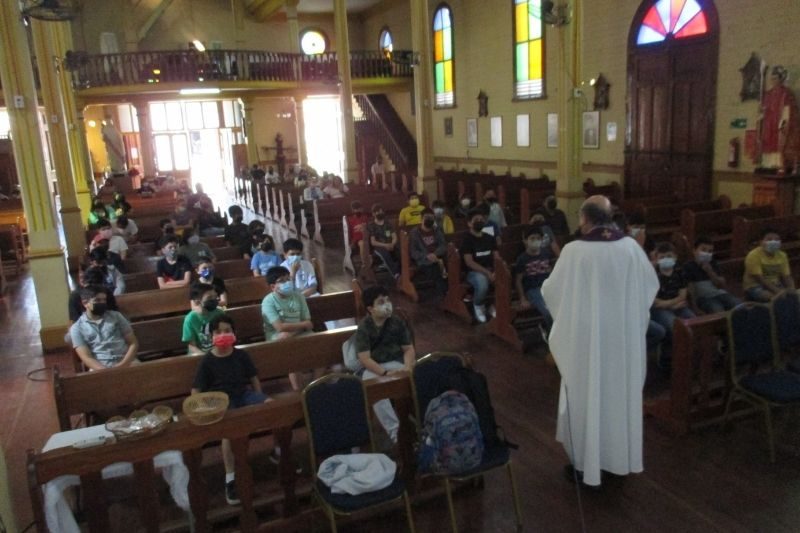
492,311
480,313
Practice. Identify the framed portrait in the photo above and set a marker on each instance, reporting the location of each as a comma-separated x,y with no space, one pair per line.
497,131
472,132
523,130
552,130
448,126
591,129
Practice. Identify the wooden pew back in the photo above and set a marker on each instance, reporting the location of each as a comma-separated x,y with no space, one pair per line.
746,232
718,222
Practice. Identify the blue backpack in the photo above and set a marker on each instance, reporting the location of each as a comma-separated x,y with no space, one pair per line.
451,441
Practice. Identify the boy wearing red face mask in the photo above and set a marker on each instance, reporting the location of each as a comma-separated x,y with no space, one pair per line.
228,369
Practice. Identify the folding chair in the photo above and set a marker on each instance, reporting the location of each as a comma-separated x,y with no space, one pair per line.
428,377
753,347
786,311
337,418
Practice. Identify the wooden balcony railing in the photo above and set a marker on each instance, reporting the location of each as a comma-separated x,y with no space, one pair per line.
137,68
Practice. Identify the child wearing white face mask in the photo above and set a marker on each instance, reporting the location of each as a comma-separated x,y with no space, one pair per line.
194,250
301,271
707,286
766,269
671,301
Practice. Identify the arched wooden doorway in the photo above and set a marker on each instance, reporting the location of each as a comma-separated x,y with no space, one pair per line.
673,50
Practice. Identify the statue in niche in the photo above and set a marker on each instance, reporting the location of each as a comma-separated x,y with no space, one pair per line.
601,90
483,104
780,124
280,157
752,74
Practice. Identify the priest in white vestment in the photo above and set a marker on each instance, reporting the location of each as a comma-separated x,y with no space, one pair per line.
599,295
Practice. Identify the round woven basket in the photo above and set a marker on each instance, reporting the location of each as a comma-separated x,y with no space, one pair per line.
205,408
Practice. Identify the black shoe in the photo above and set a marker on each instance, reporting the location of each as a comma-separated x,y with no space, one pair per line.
230,493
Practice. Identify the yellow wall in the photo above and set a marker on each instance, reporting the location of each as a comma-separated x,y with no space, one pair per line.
391,14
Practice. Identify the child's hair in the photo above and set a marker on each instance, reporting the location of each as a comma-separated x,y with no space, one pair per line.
372,293
221,319
168,240
275,273
89,292
198,290
535,229
292,244
703,239
665,248
767,231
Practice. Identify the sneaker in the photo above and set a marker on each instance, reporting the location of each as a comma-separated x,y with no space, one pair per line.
480,313
492,311
230,493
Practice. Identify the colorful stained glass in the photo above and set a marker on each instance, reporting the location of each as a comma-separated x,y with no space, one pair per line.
672,18
443,58
528,49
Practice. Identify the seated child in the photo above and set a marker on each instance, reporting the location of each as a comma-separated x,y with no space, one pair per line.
707,286
196,332
671,301
265,258
383,240
227,369
443,220
357,222
766,269
477,249
205,274
302,272
534,266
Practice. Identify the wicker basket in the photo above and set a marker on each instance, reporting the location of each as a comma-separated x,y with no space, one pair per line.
136,427
205,408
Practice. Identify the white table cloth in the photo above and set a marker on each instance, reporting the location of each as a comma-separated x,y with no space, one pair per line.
57,511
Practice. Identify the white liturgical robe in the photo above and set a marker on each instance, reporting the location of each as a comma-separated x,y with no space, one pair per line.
599,295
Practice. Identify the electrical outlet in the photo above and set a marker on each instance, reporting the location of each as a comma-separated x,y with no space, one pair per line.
19,101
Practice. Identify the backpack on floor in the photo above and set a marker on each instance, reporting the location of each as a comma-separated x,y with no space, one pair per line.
474,386
452,442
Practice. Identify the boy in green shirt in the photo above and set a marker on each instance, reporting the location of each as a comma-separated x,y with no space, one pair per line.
196,334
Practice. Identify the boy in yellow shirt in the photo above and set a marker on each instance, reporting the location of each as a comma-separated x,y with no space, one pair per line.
411,215
766,269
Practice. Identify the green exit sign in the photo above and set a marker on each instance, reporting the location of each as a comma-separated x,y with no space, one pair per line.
739,123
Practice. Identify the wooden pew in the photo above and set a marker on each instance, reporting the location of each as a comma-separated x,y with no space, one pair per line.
139,263
164,302
161,337
746,232
407,268
663,220
612,190
718,224
277,416
147,281
531,198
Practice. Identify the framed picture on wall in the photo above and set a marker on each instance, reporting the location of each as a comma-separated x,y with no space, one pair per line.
497,131
591,129
448,126
552,130
523,130
472,132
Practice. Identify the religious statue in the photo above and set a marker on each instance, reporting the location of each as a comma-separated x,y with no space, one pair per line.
483,104
115,147
780,124
601,89
280,157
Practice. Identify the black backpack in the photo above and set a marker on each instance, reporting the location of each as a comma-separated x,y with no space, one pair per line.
474,385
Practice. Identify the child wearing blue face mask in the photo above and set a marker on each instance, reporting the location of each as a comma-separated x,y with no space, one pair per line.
671,301
284,311
301,271
265,258
205,274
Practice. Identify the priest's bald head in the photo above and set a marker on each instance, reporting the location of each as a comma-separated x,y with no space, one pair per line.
595,211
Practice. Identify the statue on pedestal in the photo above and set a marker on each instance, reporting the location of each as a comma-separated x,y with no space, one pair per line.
780,124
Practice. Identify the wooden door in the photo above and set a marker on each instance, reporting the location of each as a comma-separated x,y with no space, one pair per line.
669,141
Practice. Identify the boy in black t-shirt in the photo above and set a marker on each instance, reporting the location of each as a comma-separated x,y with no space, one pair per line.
708,287
671,301
230,370
477,250
236,233
383,240
533,266
173,270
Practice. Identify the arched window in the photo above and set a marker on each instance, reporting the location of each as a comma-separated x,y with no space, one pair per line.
676,19
528,49
386,42
313,42
443,74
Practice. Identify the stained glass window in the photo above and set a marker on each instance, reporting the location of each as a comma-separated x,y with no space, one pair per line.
443,57
528,49
386,42
672,18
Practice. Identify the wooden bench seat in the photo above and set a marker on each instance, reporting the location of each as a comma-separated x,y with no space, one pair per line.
147,281
747,232
139,263
718,224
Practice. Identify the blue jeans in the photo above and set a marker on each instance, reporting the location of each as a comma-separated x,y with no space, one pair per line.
480,286
717,304
536,299
248,397
655,334
666,318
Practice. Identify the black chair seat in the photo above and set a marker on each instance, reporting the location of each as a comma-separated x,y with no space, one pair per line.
781,387
348,503
496,457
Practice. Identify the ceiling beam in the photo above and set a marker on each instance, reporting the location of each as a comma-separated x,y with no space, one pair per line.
152,19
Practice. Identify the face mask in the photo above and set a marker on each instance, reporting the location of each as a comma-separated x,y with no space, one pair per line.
207,273
210,305
286,287
495,207
292,259
385,310
551,205
171,253
704,257
772,246
379,216
534,245
414,202
428,223
465,202
666,263
99,309
438,212
478,225
266,247
194,239
224,340
636,231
